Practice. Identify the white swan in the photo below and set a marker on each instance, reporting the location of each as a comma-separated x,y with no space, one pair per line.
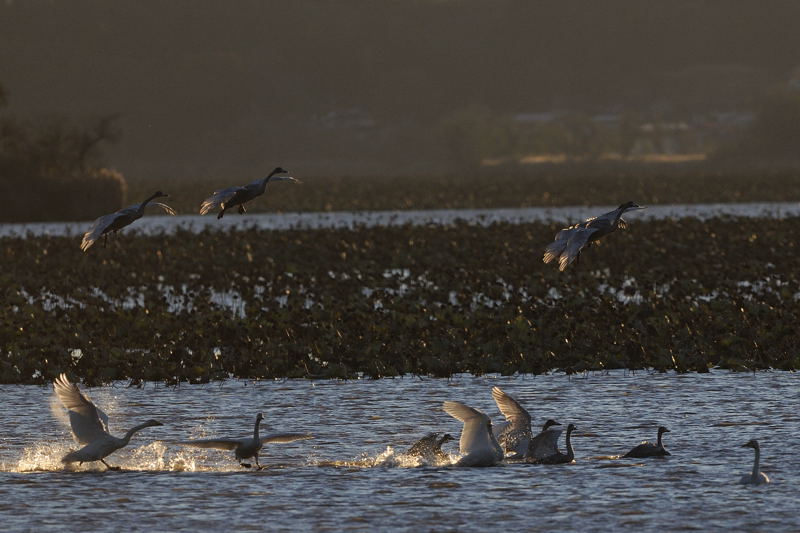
514,435
90,426
478,446
648,449
247,447
756,477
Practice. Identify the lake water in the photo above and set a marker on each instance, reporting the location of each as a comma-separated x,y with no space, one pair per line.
348,478
352,219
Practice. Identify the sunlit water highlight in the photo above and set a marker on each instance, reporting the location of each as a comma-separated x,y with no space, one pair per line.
352,476
158,225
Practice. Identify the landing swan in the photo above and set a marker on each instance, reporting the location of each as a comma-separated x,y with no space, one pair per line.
478,446
118,220
239,195
247,447
569,242
648,449
90,426
756,477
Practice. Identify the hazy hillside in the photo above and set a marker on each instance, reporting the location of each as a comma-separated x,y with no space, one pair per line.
234,87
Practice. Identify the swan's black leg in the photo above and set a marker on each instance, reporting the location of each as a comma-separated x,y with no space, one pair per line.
258,465
109,466
242,210
246,465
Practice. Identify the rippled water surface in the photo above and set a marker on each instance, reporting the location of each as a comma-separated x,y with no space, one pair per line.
350,478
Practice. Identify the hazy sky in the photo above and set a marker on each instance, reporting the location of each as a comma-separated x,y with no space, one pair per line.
216,87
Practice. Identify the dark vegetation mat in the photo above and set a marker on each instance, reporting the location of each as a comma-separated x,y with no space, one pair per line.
667,295
503,186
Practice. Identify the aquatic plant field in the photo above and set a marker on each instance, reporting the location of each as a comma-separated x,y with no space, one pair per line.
376,301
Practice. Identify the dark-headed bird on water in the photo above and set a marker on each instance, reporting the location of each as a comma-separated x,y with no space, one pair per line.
569,242
239,195
116,221
648,449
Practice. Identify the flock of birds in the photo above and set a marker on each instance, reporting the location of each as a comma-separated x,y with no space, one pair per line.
223,199
480,444
567,246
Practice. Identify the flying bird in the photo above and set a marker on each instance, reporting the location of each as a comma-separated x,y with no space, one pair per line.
90,426
116,221
757,477
478,446
239,195
648,449
247,447
569,242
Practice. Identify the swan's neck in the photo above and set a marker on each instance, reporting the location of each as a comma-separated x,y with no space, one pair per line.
659,441
255,431
144,204
756,463
266,180
133,430
570,451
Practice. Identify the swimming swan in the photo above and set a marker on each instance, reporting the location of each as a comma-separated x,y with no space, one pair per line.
514,435
90,426
247,447
478,446
648,449
757,477
559,458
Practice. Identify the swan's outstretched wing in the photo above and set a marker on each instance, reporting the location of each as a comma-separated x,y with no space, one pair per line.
577,240
517,433
165,207
218,198
87,421
511,409
96,231
544,444
285,437
474,435
219,444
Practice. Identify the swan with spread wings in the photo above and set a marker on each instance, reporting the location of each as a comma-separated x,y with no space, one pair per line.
90,426
569,242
